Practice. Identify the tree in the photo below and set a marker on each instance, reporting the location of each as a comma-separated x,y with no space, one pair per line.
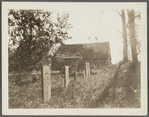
124,33
125,51
34,33
133,33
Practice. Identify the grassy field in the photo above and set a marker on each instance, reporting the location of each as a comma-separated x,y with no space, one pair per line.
94,91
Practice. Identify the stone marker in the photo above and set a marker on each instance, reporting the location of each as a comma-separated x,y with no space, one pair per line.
46,83
66,79
89,69
75,76
86,69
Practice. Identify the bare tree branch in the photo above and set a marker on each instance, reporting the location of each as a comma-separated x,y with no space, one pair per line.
138,16
137,12
120,32
112,10
118,13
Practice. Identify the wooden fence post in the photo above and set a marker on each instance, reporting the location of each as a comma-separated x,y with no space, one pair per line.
46,83
86,69
66,79
83,73
75,75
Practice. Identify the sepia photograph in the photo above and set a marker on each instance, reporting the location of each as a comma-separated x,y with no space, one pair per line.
74,58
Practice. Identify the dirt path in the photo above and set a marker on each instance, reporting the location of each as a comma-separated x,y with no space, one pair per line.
91,90
84,93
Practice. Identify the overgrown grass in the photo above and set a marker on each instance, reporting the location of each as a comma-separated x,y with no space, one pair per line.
95,91
127,92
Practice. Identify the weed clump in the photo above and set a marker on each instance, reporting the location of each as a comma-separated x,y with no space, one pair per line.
126,93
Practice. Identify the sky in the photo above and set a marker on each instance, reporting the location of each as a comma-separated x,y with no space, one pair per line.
90,20
93,24
96,20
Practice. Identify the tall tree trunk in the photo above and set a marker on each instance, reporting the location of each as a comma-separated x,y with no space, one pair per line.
132,35
125,54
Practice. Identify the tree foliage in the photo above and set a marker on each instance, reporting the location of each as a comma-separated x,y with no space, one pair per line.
34,33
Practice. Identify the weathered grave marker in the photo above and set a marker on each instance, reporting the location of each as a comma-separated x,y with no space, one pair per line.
86,69
66,79
89,69
46,82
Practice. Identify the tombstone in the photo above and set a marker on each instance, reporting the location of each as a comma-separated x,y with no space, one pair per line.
46,82
86,69
75,76
66,79
83,73
89,69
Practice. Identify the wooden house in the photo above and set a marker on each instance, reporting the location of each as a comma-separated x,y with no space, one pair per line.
74,55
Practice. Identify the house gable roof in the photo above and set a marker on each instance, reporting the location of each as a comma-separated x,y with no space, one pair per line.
86,51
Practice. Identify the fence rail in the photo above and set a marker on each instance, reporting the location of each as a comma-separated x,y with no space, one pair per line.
33,73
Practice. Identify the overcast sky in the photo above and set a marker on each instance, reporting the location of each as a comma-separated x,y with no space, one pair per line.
97,20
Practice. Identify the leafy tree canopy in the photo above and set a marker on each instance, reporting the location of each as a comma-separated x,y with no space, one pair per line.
34,33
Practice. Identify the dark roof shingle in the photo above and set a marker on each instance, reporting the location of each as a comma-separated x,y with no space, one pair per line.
90,51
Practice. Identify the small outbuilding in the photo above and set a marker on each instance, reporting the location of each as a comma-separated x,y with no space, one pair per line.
74,55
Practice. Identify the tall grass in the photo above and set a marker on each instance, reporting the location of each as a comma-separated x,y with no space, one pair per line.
95,91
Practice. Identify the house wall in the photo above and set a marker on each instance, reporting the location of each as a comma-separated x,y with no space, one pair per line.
59,64
97,62
97,54
77,64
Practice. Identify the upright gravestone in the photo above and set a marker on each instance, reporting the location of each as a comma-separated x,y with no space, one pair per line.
86,69
46,83
89,69
66,79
